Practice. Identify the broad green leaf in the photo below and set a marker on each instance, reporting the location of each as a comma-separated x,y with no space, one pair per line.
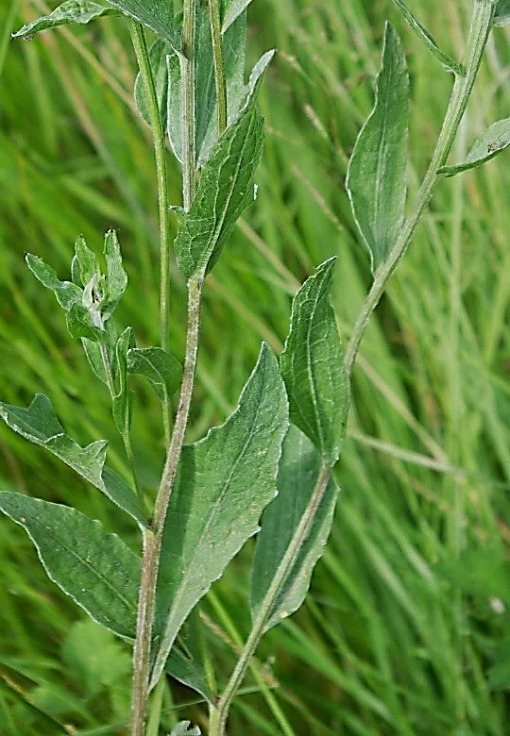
162,370
158,52
158,15
226,188
502,13
70,12
232,10
313,367
223,484
39,424
94,567
427,39
121,408
116,276
185,662
495,139
80,324
376,178
66,292
299,470
184,728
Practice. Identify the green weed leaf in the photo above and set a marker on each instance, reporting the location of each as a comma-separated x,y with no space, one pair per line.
80,324
39,424
376,178
223,484
184,728
66,292
226,188
158,52
502,13
87,262
495,139
232,10
185,662
313,367
116,276
121,405
70,12
162,370
427,39
299,469
158,15
94,567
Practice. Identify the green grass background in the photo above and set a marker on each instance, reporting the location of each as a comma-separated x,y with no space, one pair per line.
406,630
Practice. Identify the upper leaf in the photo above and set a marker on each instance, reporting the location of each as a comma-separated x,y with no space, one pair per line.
223,484
158,15
66,292
502,13
232,10
313,367
39,424
162,370
299,470
92,566
70,12
495,139
376,178
226,188
158,52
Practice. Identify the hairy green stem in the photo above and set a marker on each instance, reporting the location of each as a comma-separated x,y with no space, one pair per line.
219,714
142,56
219,65
481,22
188,123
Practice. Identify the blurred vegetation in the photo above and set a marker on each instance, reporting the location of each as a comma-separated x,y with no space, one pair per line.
406,630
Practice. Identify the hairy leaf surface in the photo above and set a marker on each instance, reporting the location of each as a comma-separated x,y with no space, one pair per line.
160,368
224,482
158,15
70,12
376,178
94,567
299,470
313,367
495,139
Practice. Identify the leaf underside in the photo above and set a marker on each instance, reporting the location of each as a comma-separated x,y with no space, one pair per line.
494,140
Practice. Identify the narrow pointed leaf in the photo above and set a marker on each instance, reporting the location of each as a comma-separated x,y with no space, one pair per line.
502,13
495,139
226,188
233,9
186,661
427,39
70,12
223,484
376,178
158,52
313,367
158,15
94,567
116,276
39,424
121,409
87,262
160,368
299,470
66,292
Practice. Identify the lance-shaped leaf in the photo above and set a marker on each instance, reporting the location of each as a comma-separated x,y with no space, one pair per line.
502,13
91,565
495,139
158,52
376,178
226,188
299,471
223,484
121,405
160,368
69,13
116,276
39,424
427,39
66,292
186,662
313,367
232,10
158,15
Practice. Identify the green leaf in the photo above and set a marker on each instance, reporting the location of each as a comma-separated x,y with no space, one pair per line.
80,323
162,370
95,355
502,13
116,276
94,567
66,292
39,424
313,367
121,408
185,662
70,12
226,188
376,178
427,39
232,10
86,261
495,139
158,52
184,728
223,484
299,470
158,15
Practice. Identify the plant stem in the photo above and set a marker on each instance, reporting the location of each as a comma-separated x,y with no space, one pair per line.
142,56
481,22
188,123
219,714
219,65
153,539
